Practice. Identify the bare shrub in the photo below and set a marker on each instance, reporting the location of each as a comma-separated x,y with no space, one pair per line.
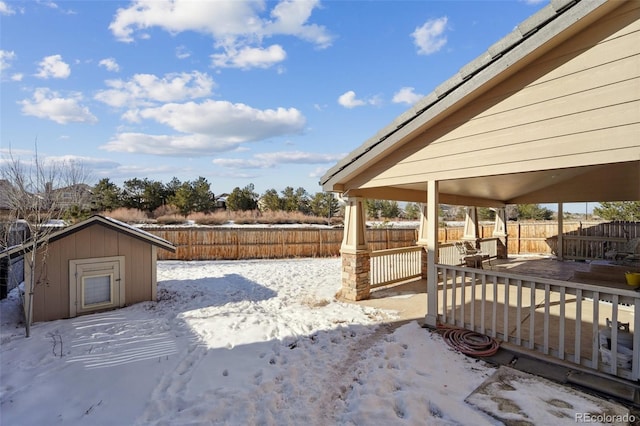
247,217
171,219
217,218
129,215
166,210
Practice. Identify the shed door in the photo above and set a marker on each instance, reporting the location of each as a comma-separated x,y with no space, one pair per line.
96,284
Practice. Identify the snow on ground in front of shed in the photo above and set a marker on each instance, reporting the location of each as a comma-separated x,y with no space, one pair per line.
235,342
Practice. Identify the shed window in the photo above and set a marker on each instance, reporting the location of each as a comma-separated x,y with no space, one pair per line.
97,290
96,284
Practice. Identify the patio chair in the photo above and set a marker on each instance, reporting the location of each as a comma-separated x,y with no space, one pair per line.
628,251
471,256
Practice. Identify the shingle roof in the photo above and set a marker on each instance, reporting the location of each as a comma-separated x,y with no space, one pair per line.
106,221
490,63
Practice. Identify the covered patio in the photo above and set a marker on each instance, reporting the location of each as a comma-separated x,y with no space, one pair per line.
549,114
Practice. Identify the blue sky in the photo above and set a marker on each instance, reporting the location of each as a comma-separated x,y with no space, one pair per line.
269,93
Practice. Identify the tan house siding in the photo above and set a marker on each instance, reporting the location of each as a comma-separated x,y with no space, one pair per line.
576,105
51,296
138,256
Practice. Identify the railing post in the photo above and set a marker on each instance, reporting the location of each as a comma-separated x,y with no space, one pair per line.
422,240
560,248
431,224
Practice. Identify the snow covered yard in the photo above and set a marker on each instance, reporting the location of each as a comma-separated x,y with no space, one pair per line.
235,343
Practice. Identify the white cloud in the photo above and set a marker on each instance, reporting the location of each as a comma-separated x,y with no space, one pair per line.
207,127
249,57
429,37
50,105
53,67
234,122
349,100
273,159
237,27
291,17
17,77
91,163
406,95
148,89
5,9
6,57
172,145
110,64
182,52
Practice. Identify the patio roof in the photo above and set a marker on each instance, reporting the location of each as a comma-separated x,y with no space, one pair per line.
544,115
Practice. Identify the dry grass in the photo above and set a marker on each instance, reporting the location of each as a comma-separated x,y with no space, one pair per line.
216,218
129,215
170,219
169,215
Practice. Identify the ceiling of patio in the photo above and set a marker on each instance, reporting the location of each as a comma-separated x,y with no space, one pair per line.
603,182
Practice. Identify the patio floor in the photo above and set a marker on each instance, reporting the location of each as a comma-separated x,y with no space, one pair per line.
409,298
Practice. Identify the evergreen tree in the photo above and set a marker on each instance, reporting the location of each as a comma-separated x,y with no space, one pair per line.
619,210
203,198
374,208
154,195
534,212
183,199
107,195
485,213
324,204
412,211
243,199
389,209
271,201
133,194
171,187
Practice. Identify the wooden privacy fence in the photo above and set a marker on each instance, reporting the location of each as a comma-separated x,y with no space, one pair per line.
271,243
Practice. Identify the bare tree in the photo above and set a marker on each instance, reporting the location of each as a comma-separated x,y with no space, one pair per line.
33,196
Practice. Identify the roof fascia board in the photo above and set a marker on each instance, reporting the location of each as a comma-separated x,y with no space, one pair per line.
416,196
507,56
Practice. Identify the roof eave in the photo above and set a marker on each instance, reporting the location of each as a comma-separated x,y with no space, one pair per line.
500,60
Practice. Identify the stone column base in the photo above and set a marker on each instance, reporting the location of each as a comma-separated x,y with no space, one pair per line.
355,276
424,263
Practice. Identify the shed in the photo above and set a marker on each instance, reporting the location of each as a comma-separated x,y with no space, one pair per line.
94,265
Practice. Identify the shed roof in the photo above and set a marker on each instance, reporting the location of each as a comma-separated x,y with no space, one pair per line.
550,27
96,219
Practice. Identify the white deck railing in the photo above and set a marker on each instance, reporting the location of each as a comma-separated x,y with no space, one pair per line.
400,264
394,265
560,319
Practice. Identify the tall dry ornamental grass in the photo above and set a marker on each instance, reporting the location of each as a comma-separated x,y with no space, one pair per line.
170,216
129,215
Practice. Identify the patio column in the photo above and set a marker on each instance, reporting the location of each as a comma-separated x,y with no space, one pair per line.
560,248
355,252
471,230
431,224
500,232
422,239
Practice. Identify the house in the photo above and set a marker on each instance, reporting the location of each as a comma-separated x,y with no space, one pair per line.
77,195
94,265
548,114
5,190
